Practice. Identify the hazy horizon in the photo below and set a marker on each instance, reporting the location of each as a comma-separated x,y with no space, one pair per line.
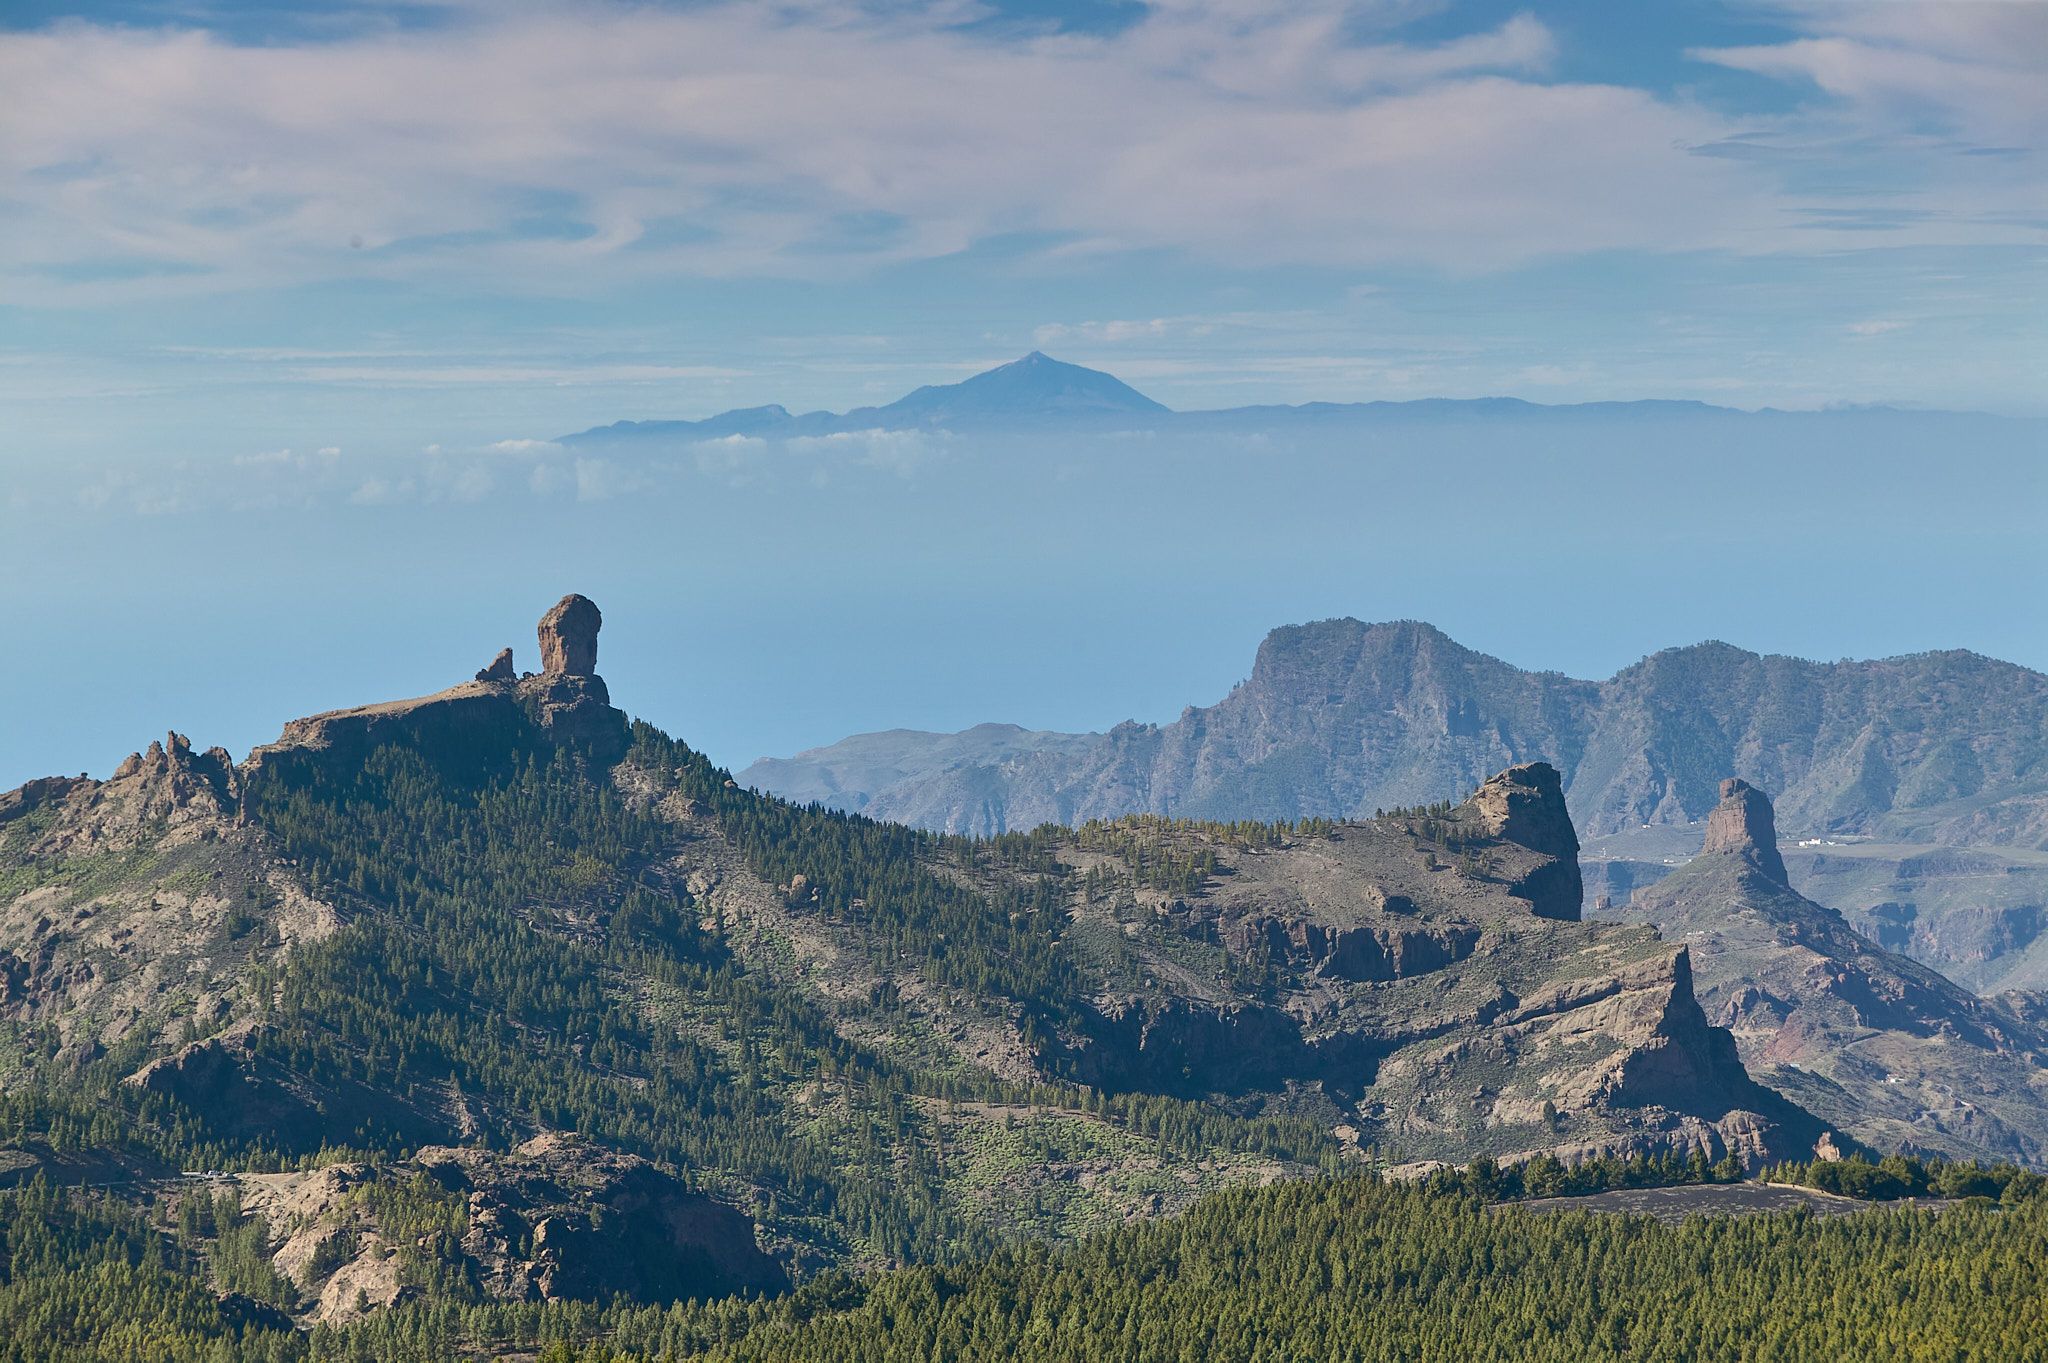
298,297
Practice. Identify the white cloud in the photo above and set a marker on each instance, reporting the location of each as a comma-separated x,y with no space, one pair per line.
806,140
1934,119
1877,326
899,452
382,492
600,480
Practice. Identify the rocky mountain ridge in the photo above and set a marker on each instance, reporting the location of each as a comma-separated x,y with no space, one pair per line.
1340,717
1038,393
477,920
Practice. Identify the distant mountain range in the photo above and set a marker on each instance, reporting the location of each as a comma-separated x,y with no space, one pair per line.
1340,717
1897,764
1038,391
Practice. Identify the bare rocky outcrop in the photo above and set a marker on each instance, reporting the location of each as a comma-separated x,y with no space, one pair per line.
1426,972
568,637
1525,805
1878,1045
1383,951
1744,824
568,702
558,1218
136,904
599,1223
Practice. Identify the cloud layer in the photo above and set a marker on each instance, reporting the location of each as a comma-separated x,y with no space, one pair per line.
561,147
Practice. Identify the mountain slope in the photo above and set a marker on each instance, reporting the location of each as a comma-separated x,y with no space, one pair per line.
1875,1042
1035,388
501,913
1339,718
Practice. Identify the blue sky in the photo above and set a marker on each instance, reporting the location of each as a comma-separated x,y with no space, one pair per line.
490,214
297,275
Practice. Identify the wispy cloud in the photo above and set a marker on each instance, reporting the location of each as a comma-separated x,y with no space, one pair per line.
547,147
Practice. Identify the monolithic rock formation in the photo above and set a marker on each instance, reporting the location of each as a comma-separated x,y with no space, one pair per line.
567,702
1875,1043
1744,824
1426,967
1524,805
568,637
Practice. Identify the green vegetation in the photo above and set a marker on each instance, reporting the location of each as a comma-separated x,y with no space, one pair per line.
1178,856
1897,1176
1345,1268
515,951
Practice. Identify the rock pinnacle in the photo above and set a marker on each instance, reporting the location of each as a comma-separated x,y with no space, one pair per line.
1744,822
568,637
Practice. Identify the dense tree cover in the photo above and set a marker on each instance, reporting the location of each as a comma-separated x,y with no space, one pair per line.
874,878
515,953
1897,1176
1339,1269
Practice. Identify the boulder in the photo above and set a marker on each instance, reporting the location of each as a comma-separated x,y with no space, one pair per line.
500,669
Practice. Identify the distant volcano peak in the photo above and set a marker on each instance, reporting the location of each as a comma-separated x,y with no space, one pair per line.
1036,385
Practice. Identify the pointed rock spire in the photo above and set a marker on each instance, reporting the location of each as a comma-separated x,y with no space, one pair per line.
500,669
1743,822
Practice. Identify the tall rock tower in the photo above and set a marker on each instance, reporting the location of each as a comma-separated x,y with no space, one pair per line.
568,637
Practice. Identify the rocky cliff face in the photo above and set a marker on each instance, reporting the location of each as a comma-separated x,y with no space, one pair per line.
1341,717
131,908
1425,974
558,1218
1872,1041
568,637
523,915
1744,825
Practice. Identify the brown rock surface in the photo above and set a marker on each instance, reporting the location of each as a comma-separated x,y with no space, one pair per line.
500,668
1743,822
568,637
1876,1044
1525,805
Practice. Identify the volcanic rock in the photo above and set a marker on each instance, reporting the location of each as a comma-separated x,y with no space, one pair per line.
500,668
1877,1045
1525,805
568,637
1743,822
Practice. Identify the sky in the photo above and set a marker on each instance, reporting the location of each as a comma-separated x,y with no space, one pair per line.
293,298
